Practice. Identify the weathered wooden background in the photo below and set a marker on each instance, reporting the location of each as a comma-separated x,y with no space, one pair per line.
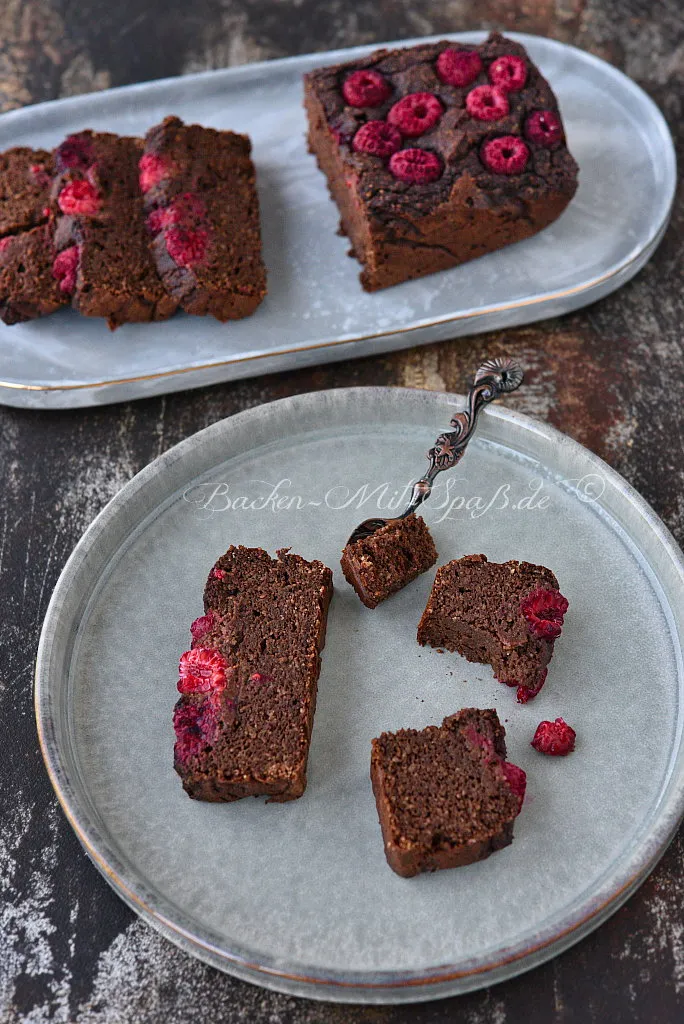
611,376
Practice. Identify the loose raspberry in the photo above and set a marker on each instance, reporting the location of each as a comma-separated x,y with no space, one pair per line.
204,624
75,153
487,103
544,611
186,247
416,113
79,198
556,738
516,779
65,268
415,166
508,73
506,154
527,693
459,67
218,574
201,670
153,168
545,128
366,89
377,138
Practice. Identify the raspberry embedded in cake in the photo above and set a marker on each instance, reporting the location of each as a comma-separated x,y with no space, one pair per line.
507,615
445,795
414,145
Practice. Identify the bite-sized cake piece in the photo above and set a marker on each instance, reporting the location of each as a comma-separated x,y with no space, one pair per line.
248,684
103,257
203,214
507,615
379,565
438,153
27,287
446,796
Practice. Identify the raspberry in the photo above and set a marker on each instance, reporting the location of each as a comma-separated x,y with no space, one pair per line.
544,127
218,574
526,693
478,740
486,103
157,220
516,779
186,207
204,624
259,677
40,175
366,89
5,243
186,247
195,726
506,154
556,738
201,670
544,610
508,73
153,169
459,67
415,166
416,113
79,197
65,268
75,153
377,138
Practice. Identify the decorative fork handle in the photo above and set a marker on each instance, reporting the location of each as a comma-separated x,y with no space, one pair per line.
494,378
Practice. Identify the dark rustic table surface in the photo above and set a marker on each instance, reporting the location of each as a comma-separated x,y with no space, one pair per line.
611,376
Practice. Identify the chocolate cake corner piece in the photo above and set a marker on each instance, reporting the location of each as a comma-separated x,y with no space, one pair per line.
438,153
249,682
103,249
380,565
202,211
507,615
445,795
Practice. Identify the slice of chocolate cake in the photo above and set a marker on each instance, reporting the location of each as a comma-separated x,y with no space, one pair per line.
203,215
446,796
27,286
104,260
379,565
438,153
507,615
249,683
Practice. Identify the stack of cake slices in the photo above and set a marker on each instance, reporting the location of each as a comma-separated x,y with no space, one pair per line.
130,229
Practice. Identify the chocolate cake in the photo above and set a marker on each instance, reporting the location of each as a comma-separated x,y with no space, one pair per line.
379,565
27,287
103,258
248,684
446,796
507,615
203,214
438,153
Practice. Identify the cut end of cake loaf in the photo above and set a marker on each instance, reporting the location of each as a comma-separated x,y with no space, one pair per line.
380,565
507,615
445,795
249,682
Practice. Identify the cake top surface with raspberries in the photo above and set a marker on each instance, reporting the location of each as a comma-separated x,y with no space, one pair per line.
411,122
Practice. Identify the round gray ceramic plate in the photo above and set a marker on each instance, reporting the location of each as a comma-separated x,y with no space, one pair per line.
298,896
316,310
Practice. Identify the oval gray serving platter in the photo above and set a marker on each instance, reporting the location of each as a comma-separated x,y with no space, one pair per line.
298,897
316,310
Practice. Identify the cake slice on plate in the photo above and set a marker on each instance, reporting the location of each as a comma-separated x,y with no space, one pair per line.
438,153
381,564
249,682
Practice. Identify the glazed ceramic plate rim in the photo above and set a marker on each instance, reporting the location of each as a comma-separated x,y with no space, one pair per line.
70,391
613,886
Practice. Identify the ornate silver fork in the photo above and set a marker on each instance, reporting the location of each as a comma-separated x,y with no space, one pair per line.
494,378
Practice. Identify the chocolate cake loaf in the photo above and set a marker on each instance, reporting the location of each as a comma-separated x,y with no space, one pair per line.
446,796
438,153
507,615
379,565
248,685
27,286
103,259
203,214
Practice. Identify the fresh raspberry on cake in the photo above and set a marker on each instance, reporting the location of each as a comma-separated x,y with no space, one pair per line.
366,89
459,67
544,127
508,73
487,103
415,114
506,154
378,138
